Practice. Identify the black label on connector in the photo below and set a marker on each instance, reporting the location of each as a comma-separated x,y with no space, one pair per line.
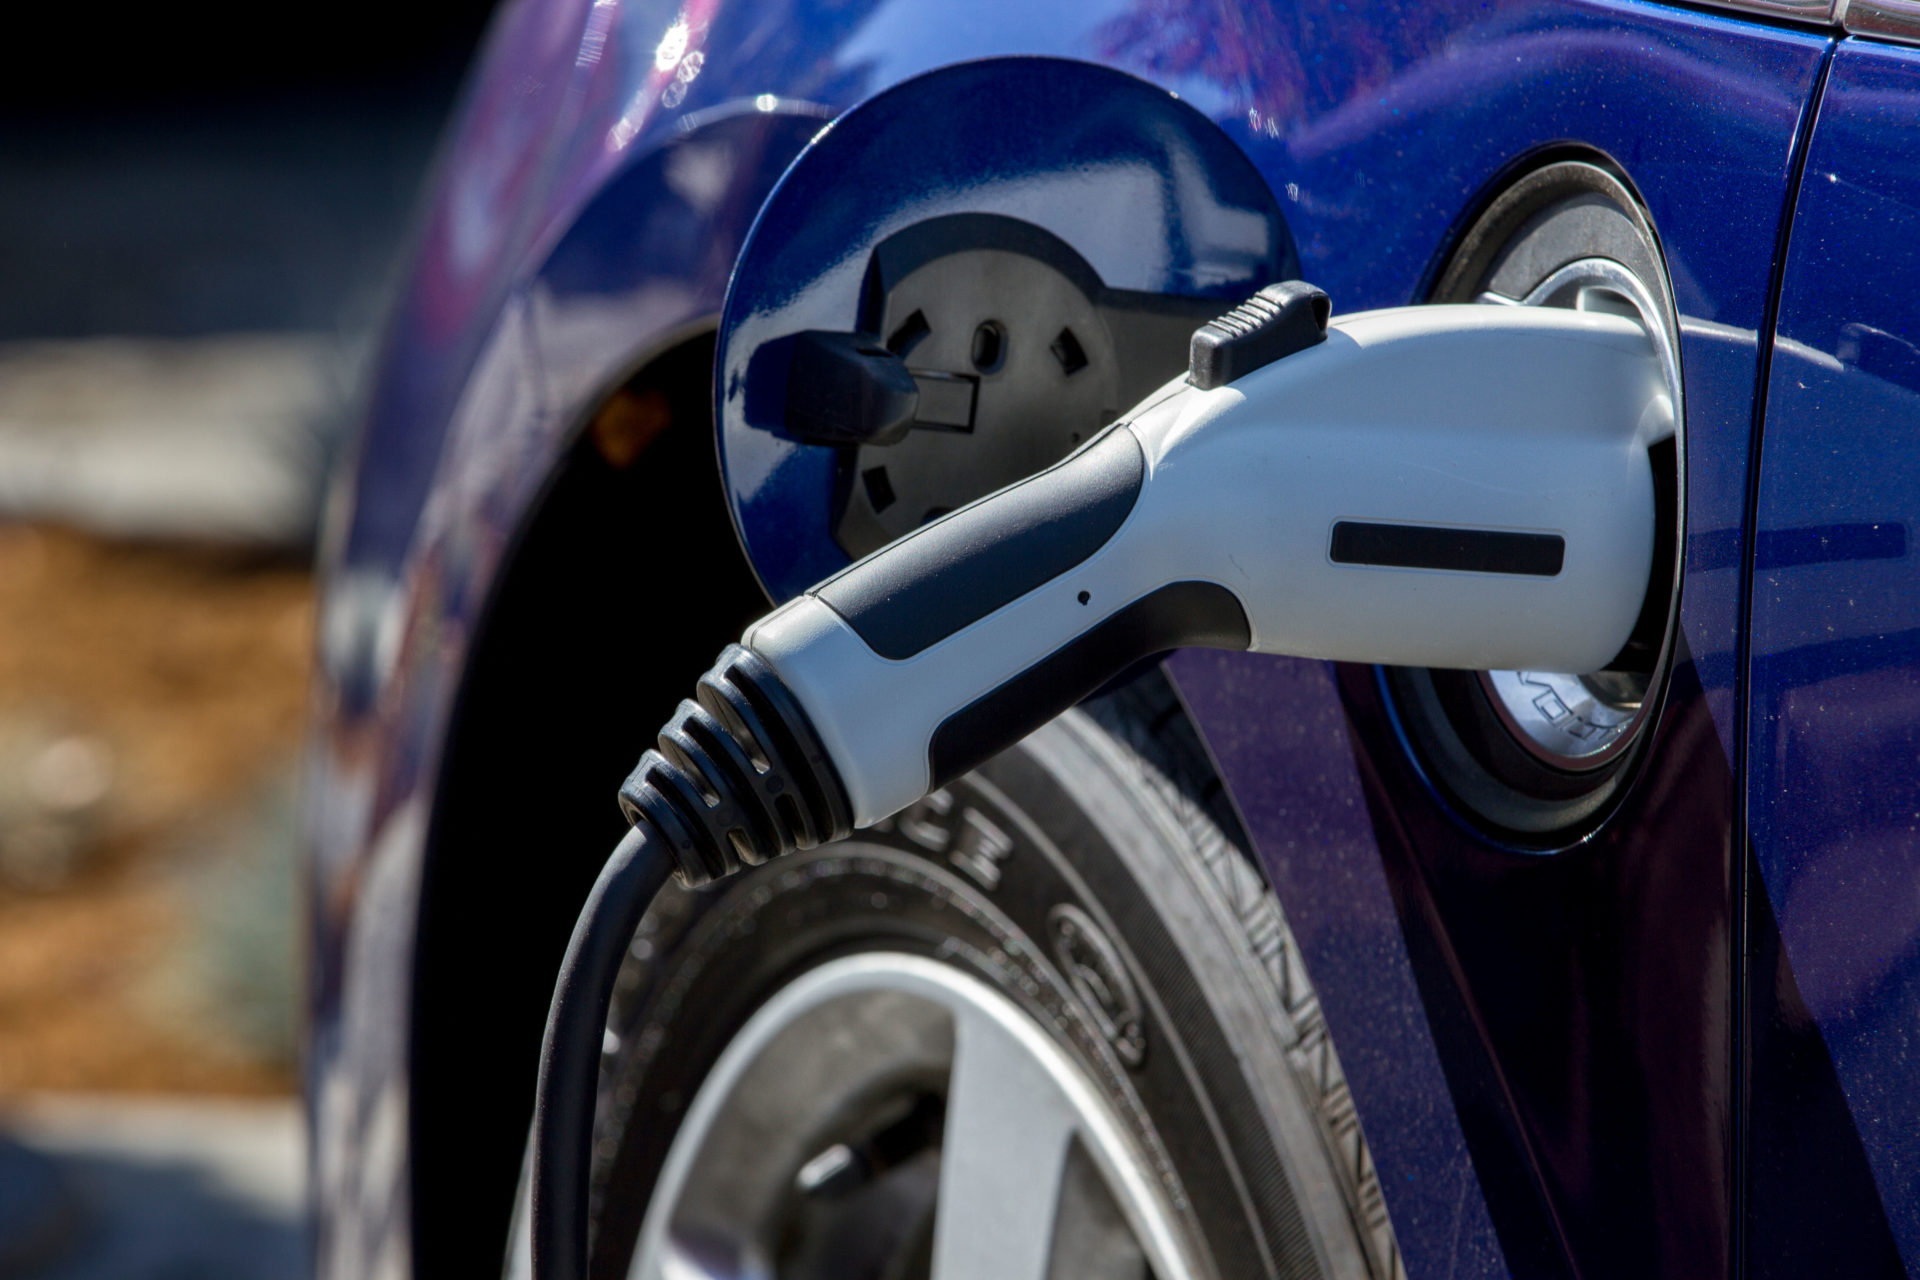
1416,546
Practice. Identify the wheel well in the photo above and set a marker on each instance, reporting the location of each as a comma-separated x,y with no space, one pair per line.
622,583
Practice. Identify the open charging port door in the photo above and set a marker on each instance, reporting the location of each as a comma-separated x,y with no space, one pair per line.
958,283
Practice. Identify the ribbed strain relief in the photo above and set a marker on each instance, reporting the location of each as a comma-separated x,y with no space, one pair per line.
739,776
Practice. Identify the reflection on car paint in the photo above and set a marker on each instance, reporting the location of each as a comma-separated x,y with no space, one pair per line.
1834,790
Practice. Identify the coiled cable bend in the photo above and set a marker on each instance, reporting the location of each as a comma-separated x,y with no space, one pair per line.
738,777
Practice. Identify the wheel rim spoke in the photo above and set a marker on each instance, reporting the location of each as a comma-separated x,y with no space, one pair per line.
1001,1159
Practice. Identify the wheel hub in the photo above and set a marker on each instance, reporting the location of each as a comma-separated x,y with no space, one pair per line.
888,1115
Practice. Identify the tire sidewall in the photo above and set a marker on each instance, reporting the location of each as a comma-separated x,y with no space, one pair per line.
1083,883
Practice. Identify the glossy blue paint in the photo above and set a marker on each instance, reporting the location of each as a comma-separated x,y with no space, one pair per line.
1701,113
651,254
1834,790
472,243
1280,734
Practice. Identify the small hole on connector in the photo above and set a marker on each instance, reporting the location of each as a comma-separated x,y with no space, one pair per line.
989,346
1067,350
1085,596
879,488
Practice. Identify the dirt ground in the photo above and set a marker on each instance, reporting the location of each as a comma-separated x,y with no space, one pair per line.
147,695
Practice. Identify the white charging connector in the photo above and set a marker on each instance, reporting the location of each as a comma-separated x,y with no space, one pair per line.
1439,486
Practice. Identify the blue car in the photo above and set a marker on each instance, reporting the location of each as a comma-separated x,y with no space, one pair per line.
1247,964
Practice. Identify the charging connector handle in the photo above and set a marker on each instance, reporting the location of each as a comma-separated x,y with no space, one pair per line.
1429,486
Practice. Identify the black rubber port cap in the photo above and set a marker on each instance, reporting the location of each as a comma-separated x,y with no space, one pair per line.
1277,321
846,388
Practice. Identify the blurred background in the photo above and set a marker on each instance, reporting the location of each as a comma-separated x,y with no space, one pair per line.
202,211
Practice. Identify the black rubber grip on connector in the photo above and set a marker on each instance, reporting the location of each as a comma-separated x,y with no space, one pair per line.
1175,616
957,570
739,776
1275,322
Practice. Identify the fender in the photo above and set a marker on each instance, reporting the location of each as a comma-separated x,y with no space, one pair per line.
639,269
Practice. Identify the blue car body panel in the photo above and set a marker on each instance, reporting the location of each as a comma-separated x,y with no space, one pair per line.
1833,785
1573,1062
607,164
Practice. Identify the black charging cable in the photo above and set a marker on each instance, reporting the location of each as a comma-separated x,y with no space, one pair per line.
738,777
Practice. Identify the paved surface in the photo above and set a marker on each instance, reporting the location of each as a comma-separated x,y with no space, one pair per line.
188,295
160,1190
213,439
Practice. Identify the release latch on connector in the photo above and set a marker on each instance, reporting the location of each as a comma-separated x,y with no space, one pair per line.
1275,322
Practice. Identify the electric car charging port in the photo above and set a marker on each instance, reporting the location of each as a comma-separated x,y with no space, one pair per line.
1539,756
1018,352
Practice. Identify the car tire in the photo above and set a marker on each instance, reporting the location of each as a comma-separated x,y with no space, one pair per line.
1095,879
